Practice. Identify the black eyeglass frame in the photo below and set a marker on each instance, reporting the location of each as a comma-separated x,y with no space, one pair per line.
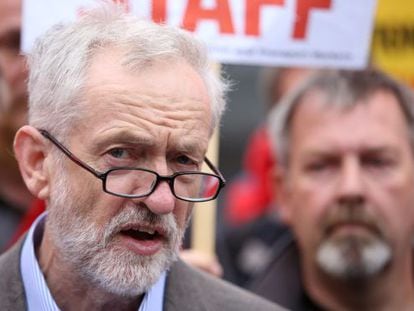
159,178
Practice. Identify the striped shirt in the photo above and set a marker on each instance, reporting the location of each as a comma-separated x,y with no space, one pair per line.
38,295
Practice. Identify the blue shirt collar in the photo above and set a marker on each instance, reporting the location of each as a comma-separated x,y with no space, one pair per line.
38,295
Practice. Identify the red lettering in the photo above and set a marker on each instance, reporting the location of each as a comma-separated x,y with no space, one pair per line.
253,12
221,13
159,11
303,9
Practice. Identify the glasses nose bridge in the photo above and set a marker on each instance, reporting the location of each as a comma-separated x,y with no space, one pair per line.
168,179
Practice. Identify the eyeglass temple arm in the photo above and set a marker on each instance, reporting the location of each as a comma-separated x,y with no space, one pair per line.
214,169
70,155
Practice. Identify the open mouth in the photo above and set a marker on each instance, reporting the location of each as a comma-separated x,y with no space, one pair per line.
142,234
143,240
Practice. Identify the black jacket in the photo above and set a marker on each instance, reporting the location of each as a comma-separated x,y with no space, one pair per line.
281,281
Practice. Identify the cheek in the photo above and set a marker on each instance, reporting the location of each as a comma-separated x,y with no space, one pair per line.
307,205
396,202
308,201
92,202
305,218
104,207
182,213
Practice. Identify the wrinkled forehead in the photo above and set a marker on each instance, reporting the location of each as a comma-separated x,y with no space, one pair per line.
113,64
110,77
165,94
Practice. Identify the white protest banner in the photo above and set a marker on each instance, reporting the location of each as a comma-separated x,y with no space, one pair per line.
330,33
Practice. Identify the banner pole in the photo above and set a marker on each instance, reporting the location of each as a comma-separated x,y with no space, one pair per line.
203,229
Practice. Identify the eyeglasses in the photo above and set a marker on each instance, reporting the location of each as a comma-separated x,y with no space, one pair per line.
131,182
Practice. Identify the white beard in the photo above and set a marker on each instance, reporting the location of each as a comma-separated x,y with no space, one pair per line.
90,250
353,258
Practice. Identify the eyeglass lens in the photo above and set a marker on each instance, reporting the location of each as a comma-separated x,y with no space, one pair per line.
135,182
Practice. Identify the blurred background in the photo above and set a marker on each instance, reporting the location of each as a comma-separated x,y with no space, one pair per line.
392,49
244,113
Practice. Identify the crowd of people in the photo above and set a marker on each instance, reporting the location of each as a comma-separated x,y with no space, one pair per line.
102,143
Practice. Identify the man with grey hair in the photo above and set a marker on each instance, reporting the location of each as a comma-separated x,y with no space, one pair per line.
120,115
345,188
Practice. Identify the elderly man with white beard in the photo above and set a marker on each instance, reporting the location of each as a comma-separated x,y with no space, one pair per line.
120,115
345,177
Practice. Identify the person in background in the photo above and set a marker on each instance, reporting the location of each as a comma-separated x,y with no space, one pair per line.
121,112
345,176
251,224
14,195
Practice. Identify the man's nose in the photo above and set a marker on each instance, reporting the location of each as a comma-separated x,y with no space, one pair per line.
161,200
351,182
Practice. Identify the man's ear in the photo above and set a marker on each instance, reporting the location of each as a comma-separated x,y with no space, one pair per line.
31,150
281,186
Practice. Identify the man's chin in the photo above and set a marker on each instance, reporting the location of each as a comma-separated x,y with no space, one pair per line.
355,255
123,272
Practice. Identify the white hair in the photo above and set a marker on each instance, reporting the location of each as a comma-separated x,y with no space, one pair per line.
60,58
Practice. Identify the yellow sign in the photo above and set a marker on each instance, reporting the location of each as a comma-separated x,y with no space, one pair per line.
393,39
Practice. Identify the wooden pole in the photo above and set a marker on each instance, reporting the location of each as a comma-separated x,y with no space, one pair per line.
203,233
204,214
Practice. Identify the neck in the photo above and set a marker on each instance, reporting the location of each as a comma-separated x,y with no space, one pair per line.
72,291
393,289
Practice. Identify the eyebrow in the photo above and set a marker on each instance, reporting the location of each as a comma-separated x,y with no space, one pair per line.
191,146
362,150
123,137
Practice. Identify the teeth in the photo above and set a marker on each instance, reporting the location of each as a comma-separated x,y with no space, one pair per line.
149,231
